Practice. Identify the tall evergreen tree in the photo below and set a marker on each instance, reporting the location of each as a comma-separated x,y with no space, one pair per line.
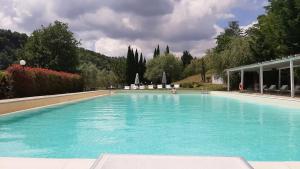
136,57
140,66
186,58
129,65
157,51
167,50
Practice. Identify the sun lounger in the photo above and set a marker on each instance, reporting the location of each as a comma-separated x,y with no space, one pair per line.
176,86
168,87
127,87
142,87
297,88
159,86
150,87
284,88
109,161
256,87
271,88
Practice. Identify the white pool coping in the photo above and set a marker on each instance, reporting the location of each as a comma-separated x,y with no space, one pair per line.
51,163
282,101
124,161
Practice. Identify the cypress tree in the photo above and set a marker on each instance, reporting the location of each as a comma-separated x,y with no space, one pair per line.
167,50
136,57
140,67
129,65
157,51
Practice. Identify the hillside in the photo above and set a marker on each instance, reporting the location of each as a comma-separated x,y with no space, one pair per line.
195,82
191,79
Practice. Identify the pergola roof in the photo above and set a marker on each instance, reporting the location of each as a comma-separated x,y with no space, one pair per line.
281,63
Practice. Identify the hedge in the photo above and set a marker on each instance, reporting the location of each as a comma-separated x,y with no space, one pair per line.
5,85
27,81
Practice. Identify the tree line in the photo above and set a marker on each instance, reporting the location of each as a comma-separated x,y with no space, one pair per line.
275,35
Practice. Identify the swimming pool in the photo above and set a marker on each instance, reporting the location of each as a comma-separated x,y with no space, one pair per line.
154,123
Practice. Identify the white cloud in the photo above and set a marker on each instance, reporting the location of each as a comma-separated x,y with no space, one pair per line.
114,47
109,26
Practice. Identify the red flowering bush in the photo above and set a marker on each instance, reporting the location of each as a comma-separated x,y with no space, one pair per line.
29,81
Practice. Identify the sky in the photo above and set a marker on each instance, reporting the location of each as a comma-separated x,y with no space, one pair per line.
110,26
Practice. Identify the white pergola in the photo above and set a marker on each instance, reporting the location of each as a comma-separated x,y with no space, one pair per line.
285,63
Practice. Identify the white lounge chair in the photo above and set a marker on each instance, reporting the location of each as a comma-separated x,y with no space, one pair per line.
168,87
159,86
142,87
297,88
126,87
109,161
150,87
283,88
176,86
133,86
271,88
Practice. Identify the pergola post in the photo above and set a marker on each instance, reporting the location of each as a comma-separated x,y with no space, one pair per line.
261,79
292,78
279,78
242,77
228,80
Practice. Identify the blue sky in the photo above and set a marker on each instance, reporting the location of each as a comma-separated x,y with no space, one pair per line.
109,26
244,16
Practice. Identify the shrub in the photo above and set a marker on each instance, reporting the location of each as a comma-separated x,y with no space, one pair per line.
5,85
29,81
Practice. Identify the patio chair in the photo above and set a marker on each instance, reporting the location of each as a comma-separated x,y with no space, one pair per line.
297,88
159,86
283,88
142,87
150,87
126,87
133,86
168,86
271,88
257,88
176,86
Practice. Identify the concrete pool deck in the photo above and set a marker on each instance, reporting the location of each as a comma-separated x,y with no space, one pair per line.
44,163
275,100
8,106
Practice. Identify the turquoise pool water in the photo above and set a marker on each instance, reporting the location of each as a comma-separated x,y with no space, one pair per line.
153,123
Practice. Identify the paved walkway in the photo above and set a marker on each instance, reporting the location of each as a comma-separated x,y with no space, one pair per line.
43,163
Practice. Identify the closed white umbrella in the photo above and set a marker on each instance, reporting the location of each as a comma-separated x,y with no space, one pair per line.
164,78
137,80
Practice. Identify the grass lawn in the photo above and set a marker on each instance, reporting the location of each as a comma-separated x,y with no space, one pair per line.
195,82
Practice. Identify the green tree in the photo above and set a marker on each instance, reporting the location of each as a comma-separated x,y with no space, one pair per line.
53,47
164,63
223,40
89,74
119,68
186,58
130,66
142,67
157,51
11,43
106,78
167,50
237,53
197,66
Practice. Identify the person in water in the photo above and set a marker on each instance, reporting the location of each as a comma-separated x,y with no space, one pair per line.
173,90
